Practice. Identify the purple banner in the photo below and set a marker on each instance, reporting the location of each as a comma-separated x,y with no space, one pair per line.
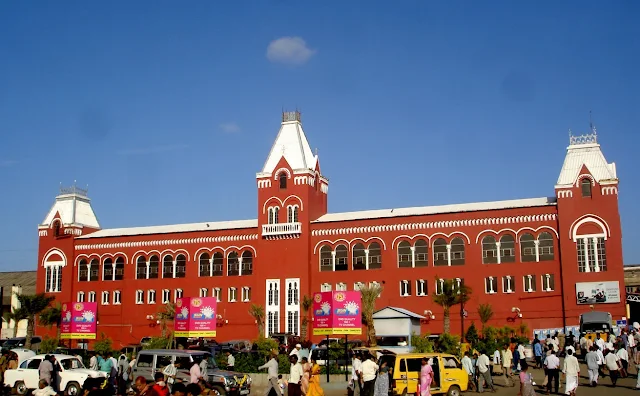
79,320
195,317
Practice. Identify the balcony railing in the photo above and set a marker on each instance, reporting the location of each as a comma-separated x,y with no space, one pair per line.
281,229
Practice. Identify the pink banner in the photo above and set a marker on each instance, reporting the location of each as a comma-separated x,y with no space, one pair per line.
195,317
337,312
79,320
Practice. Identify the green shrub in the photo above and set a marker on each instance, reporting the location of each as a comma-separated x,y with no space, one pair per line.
421,344
472,335
104,345
48,345
158,343
449,343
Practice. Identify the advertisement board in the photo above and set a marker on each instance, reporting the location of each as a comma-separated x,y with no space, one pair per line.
79,321
337,312
598,292
195,317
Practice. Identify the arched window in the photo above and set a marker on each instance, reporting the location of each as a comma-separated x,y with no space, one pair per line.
326,259
276,215
167,267
94,270
141,268
218,264
83,271
421,253
292,214
359,259
545,246
247,263
56,228
205,265
585,184
457,251
489,250
375,256
342,258
405,256
507,249
527,248
154,267
181,266
233,266
440,256
119,275
107,270
283,180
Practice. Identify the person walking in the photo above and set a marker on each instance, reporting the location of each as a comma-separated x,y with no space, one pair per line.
507,359
45,370
295,377
571,371
369,369
272,375
593,365
484,373
426,377
526,382
612,362
356,374
467,365
314,380
552,363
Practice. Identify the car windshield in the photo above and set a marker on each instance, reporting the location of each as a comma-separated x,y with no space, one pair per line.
71,363
211,363
594,326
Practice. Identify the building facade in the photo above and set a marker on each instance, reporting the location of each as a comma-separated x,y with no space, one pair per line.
537,261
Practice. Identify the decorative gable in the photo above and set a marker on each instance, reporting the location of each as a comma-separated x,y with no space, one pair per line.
584,151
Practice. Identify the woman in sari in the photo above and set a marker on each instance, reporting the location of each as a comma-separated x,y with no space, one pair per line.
382,381
426,377
306,369
526,382
314,381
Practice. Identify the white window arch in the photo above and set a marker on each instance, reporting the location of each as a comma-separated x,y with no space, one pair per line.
54,261
591,247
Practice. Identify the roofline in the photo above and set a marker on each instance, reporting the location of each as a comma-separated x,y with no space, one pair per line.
142,233
415,315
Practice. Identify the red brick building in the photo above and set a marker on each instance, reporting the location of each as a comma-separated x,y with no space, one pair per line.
534,254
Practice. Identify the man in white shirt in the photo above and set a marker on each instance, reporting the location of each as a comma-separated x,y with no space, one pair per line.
507,359
369,369
623,355
467,365
295,377
612,361
483,364
496,360
571,371
231,361
296,351
170,372
356,374
272,375
600,342
552,363
93,362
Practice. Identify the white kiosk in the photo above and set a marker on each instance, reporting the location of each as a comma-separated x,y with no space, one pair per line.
398,324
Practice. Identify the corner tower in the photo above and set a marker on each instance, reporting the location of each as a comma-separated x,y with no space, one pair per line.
590,231
291,189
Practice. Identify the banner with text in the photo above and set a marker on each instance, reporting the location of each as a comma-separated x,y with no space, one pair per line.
598,292
195,317
79,321
337,312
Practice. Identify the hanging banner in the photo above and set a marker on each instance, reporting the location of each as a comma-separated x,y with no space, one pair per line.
79,321
195,317
598,292
337,312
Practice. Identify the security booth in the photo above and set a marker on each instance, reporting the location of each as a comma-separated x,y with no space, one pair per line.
394,328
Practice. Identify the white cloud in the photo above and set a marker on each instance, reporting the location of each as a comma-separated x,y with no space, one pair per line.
291,51
229,127
152,149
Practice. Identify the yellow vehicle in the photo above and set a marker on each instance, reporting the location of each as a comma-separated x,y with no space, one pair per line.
594,322
449,378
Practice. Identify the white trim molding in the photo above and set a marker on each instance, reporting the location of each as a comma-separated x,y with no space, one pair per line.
590,218
276,174
609,190
164,242
565,194
282,202
264,183
585,176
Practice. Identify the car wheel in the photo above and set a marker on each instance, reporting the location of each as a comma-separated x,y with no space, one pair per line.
73,389
218,391
20,388
454,390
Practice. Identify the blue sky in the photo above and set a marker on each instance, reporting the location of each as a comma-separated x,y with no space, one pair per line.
167,111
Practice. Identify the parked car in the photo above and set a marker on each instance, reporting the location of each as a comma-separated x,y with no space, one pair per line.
71,375
23,354
18,342
223,382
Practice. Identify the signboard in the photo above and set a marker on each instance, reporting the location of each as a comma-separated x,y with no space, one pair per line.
195,317
598,292
79,321
337,312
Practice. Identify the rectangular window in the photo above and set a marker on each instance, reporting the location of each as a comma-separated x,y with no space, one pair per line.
439,286
292,322
139,297
177,294
273,322
92,297
233,294
105,298
405,288
582,255
421,287
246,294
166,296
203,292
341,286
117,297
529,283
216,293
491,285
80,297
357,286
325,287
508,285
548,283
602,254
151,296
292,292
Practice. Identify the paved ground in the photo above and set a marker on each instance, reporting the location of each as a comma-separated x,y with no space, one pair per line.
625,387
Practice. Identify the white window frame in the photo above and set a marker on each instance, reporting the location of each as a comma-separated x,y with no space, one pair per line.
166,296
106,297
591,242
439,286
489,286
421,288
508,285
292,306
405,288
246,294
217,293
546,282
91,297
325,287
53,276
80,297
341,286
528,283
272,306
203,292
357,286
151,296
232,294
139,296
117,297
177,293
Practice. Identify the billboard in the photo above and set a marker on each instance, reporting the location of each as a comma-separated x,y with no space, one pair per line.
195,317
337,312
598,292
79,321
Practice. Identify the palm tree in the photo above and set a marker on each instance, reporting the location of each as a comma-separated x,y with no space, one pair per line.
257,312
485,311
33,305
369,294
17,315
451,294
166,314
52,316
307,303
